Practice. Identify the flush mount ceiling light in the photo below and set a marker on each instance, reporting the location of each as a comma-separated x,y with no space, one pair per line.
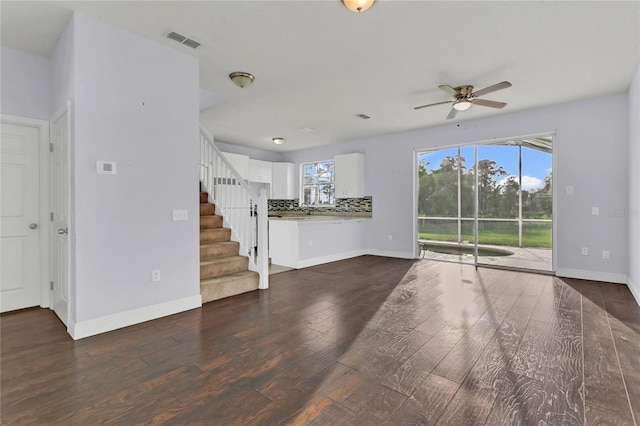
358,6
241,79
462,105
278,141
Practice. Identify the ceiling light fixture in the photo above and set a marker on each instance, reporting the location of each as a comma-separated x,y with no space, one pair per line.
278,141
241,79
462,105
358,6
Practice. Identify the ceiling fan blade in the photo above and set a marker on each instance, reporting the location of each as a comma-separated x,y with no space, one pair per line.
428,105
491,104
450,90
452,114
490,89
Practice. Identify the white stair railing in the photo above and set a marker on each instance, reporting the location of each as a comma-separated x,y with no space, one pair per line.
244,214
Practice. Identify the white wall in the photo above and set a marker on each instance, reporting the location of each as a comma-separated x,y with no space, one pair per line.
25,84
591,146
634,187
136,103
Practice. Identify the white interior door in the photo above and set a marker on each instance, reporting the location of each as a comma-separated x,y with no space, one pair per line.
20,210
59,193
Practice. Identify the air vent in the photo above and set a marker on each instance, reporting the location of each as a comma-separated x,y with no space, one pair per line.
183,39
363,116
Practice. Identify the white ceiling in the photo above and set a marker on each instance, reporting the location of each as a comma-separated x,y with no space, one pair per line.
317,64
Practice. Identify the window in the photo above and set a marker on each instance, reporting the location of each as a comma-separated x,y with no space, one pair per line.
318,188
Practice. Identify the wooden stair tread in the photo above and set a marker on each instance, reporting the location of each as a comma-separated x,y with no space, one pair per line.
220,260
229,277
220,243
228,285
223,272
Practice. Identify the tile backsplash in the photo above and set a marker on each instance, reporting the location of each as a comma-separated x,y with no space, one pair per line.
344,207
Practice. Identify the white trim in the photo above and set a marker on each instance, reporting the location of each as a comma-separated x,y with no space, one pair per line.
554,200
635,291
391,253
330,258
609,277
134,316
416,189
43,201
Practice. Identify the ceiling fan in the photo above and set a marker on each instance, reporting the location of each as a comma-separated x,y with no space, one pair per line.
464,97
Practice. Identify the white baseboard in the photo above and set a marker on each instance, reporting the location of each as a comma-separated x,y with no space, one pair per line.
634,290
609,277
390,253
331,258
134,316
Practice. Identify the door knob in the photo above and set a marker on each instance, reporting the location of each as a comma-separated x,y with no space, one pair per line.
62,231
33,226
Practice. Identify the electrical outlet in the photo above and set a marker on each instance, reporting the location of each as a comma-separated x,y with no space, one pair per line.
390,237
569,190
605,254
155,275
585,251
179,215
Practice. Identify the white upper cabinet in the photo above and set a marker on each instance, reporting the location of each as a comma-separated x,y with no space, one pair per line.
282,185
240,163
259,171
349,178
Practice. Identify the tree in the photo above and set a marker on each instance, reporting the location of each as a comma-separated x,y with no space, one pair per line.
488,193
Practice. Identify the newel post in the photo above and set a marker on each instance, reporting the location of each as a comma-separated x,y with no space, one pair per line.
263,240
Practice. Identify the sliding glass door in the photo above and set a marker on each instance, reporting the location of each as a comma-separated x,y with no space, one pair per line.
446,204
488,204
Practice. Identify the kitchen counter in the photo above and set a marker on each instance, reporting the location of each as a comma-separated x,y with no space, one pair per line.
312,218
302,241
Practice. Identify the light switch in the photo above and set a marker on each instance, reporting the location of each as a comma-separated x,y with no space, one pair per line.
569,190
595,211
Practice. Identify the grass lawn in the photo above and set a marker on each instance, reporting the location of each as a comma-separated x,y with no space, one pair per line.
534,235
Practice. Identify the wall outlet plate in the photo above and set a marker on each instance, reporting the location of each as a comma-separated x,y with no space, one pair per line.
179,215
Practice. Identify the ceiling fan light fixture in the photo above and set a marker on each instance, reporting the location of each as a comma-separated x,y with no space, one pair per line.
358,6
278,141
241,79
462,105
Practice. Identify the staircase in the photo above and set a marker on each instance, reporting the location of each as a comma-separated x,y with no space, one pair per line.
223,272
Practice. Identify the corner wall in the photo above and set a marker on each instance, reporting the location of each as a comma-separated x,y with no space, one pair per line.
137,104
633,213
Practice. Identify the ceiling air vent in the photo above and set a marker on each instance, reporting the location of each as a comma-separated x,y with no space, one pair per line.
183,39
363,116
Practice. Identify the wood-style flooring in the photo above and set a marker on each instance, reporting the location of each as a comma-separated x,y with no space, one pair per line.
366,341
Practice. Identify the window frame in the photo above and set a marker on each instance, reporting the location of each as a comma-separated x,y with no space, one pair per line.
302,184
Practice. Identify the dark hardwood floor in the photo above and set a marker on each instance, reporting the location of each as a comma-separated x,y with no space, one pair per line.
367,341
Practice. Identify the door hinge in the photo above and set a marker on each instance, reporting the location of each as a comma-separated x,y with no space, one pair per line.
51,216
51,285
51,147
